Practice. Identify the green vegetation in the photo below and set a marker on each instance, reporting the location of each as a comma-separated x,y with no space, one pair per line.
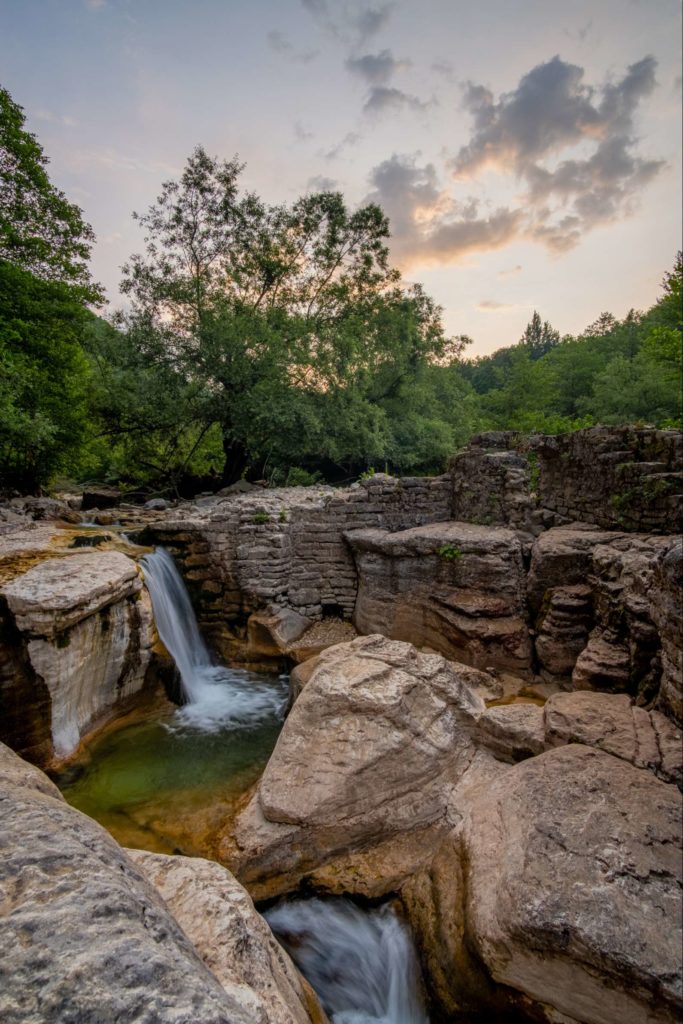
261,518
270,342
449,552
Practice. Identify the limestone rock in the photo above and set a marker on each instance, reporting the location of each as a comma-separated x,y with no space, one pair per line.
367,753
454,587
562,630
666,611
81,634
574,886
59,592
512,732
270,633
83,936
233,940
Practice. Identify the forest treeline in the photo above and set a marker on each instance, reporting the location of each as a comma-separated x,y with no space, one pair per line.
271,342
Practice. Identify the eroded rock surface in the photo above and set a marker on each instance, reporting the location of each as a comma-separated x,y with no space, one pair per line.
83,936
454,587
368,753
574,886
79,640
233,940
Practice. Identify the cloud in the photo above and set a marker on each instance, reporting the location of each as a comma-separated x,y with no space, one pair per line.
350,23
428,225
301,133
319,183
510,272
527,132
349,140
571,145
376,68
382,99
491,306
280,44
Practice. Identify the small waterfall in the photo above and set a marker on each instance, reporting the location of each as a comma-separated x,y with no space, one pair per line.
361,963
215,696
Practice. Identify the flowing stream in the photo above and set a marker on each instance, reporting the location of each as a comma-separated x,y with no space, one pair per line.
215,696
361,963
167,779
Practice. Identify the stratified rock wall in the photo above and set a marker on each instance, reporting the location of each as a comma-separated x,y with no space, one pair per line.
286,547
78,636
456,588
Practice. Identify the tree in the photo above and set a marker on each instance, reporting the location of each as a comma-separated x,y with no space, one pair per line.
40,230
285,317
539,337
44,290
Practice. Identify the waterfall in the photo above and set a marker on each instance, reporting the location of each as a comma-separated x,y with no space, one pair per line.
361,963
215,696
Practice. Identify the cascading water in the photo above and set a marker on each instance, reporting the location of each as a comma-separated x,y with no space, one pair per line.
215,696
361,963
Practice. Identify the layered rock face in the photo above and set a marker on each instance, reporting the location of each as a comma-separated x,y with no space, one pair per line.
618,478
244,553
453,587
607,612
84,936
80,632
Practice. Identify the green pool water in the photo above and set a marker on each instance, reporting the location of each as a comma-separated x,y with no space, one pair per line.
160,785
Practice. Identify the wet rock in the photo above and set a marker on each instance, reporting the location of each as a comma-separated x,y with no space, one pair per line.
233,940
83,935
454,587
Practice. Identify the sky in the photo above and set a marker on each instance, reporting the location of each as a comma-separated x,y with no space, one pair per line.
527,152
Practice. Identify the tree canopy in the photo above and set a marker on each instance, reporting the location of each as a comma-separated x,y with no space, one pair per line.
270,341
45,286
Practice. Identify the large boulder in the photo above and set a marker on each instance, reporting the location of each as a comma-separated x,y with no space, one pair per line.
233,940
562,886
83,936
79,640
365,758
456,588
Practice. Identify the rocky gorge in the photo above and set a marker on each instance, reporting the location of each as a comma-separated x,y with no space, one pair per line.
484,726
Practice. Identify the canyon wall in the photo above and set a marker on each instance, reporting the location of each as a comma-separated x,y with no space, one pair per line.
549,557
76,636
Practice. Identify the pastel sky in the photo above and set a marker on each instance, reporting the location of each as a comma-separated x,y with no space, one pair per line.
528,152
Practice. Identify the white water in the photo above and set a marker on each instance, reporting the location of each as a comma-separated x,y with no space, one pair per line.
215,696
361,963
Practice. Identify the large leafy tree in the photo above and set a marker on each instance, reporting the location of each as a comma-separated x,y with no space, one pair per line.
45,288
287,322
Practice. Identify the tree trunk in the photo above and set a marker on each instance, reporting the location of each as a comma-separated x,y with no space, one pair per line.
236,459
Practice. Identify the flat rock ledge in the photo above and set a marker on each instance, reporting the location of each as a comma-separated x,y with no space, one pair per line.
59,592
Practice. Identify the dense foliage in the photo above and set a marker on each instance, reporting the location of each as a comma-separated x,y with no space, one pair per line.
44,288
270,341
